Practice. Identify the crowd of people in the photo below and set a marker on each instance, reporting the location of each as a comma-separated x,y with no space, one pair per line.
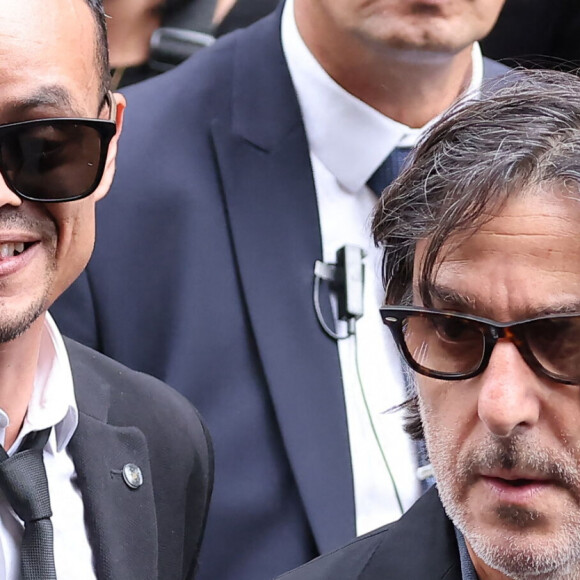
304,232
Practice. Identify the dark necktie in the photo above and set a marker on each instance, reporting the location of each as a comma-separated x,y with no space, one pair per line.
24,483
388,170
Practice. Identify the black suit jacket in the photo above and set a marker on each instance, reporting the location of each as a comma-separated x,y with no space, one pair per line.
155,531
203,274
419,546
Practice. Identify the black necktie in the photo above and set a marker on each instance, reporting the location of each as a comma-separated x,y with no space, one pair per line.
388,170
24,483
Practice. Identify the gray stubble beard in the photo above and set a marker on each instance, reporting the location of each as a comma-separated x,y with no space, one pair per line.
561,561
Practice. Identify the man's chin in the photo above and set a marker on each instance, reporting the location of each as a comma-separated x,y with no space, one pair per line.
527,552
14,326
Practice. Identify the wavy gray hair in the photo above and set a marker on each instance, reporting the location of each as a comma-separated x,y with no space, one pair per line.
518,134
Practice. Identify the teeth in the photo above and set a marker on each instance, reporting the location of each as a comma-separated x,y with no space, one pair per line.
11,249
6,250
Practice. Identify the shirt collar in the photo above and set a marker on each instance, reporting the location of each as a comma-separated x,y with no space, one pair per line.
334,116
467,569
53,402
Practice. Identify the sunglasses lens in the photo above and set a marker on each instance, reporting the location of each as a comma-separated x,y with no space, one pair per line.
443,343
555,343
52,161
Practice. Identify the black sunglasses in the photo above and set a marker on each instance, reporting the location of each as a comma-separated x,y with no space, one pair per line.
56,160
451,346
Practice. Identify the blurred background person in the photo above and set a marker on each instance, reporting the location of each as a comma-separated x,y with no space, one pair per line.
537,34
233,14
148,37
152,36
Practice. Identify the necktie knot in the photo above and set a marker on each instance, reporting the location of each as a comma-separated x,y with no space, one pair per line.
22,477
25,485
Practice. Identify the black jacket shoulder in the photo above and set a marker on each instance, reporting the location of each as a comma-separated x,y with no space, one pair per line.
420,545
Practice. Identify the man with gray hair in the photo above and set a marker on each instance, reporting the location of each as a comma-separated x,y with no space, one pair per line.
481,239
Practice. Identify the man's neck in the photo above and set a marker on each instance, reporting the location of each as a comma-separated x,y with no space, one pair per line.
18,364
409,87
410,93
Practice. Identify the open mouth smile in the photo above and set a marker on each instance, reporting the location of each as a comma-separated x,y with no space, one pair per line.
12,249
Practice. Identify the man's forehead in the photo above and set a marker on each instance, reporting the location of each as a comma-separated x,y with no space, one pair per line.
534,220
525,258
59,19
47,44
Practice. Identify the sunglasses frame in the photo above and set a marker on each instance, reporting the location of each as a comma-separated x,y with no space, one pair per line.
394,317
106,128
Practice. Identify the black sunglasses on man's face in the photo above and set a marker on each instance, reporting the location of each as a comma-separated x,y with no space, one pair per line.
56,160
452,346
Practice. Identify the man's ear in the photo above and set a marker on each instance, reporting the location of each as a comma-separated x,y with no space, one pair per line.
119,103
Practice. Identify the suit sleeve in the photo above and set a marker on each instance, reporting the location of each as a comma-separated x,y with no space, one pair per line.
198,499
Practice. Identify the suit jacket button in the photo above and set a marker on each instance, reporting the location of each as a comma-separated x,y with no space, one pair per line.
132,475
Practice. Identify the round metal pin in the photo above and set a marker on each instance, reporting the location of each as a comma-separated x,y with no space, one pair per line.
132,475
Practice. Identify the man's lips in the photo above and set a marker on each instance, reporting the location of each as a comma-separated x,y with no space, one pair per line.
18,237
512,475
10,248
15,254
429,6
517,487
14,243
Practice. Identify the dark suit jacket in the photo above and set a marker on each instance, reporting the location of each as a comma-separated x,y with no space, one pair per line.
202,275
243,13
155,531
419,546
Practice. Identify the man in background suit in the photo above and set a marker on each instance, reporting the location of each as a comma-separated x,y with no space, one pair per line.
239,170
104,472
481,238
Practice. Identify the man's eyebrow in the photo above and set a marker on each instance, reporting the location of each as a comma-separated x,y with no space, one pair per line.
562,308
448,296
47,96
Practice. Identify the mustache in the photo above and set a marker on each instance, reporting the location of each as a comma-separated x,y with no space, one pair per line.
521,454
12,218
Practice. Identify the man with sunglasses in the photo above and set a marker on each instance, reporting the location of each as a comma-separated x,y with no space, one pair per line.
481,239
104,472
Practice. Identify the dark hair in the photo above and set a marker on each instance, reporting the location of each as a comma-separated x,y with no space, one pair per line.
102,48
520,134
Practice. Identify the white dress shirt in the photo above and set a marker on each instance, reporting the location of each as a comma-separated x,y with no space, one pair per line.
348,141
52,404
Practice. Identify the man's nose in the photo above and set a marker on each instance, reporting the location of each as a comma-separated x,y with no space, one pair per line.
7,196
509,396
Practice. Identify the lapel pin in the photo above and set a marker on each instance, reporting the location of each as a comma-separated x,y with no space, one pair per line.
132,475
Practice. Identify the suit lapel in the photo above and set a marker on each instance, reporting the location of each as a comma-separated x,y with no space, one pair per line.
422,544
270,199
121,521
